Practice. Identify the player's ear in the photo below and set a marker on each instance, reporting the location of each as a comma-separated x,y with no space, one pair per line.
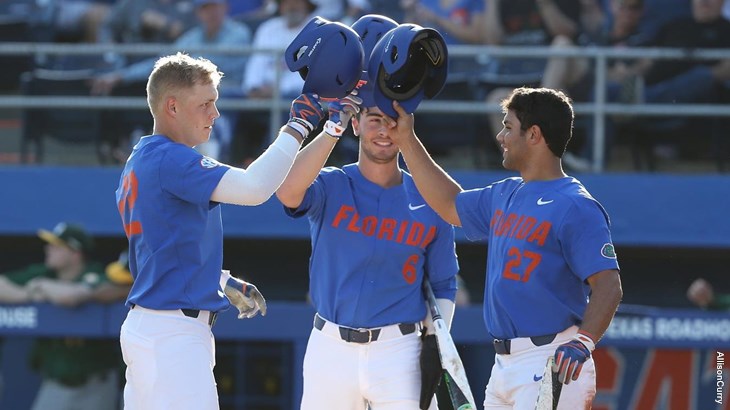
356,124
171,106
534,134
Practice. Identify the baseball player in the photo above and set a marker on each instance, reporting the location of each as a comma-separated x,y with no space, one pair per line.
373,240
168,198
552,284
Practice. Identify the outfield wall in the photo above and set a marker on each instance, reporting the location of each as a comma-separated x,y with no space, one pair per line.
650,358
646,209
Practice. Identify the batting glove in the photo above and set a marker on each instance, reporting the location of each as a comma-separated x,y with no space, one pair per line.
340,113
570,356
305,114
246,297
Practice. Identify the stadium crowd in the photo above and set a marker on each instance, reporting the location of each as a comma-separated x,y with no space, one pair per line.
241,136
271,24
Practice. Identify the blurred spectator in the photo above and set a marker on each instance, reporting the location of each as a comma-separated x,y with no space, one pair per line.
660,12
146,21
594,16
525,23
119,281
252,12
77,20
344,11
260,75
62,21
390,8
460,22
214,28
682,81
76,373
701,293
276,33
688,80
726,9
576,76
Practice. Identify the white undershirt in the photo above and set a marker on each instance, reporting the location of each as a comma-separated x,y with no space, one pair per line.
256,184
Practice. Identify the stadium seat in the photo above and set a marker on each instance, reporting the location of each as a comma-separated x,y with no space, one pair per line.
81,126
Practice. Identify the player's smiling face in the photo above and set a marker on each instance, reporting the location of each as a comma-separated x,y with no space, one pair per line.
196,113
511,140
375,142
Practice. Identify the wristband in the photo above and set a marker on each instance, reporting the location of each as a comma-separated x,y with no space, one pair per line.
299,127
333,129
586,338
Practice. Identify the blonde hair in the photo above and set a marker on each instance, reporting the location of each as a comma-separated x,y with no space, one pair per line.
179,71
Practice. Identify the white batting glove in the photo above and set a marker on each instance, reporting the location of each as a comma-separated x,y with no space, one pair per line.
244,296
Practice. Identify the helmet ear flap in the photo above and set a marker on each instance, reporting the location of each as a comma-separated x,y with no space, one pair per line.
436,53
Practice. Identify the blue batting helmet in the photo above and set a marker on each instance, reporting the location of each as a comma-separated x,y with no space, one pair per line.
370,28
329,57
408,63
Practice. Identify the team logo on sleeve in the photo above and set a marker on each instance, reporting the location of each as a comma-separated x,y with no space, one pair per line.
608,251
207,162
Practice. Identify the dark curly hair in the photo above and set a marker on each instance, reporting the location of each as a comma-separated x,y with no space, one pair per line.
549,109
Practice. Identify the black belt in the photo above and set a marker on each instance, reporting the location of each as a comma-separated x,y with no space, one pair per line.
502,346
194,313
363,335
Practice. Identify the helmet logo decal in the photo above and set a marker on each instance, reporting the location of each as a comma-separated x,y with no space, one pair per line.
314,47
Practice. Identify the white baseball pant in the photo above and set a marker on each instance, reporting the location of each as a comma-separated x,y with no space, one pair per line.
170,359
381,375
516,377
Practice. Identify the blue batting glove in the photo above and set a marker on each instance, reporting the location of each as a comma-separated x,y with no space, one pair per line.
305,114
340,113
570,356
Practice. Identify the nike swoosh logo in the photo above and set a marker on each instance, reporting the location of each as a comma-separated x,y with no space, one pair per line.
541,202
536,378
413,208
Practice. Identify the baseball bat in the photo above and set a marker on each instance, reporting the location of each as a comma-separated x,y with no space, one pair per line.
456,382
550,388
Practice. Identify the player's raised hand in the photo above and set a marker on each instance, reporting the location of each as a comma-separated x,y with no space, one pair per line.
401,127
340,113
305,114
570,356
246,297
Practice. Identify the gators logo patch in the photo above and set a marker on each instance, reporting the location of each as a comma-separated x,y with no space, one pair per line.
608,251
206,162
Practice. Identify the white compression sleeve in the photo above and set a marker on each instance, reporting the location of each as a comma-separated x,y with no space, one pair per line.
255,185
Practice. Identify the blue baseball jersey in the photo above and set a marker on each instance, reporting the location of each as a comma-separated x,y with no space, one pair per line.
371,247
175,232
545,239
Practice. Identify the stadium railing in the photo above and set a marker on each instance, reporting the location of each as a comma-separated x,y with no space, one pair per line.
599,109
